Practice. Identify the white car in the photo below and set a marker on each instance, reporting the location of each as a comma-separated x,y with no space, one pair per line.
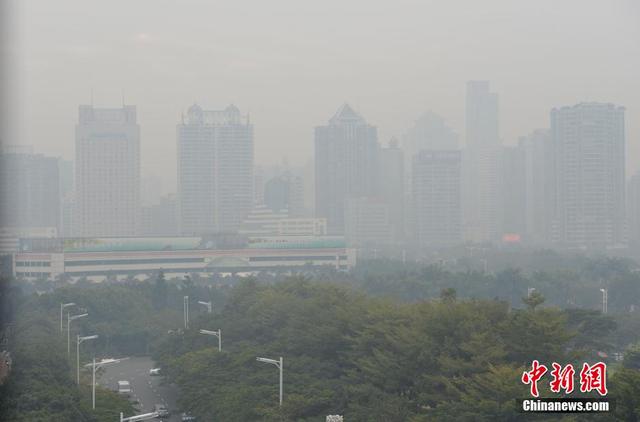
154,371
124,387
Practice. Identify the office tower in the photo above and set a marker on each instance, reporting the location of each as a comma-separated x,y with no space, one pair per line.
346,165
540,187
436,180
258,185
392,186
29,189
215,170
367,223
633,209
161,218
285,192
590,142
107,178
429,132
482,165
513,193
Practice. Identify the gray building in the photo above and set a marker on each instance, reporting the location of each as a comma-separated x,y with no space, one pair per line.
589,139
215,170
540,186
367,223
436,198
107,173
29,189
346,165
482,165
161,218
392,184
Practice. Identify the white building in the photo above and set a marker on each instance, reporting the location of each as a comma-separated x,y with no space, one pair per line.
367,223
589,139
263,221
215,170
107,174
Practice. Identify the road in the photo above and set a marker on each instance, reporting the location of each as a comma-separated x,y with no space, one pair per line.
145,388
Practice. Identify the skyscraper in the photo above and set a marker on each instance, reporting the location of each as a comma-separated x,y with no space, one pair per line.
215,170
392,187
436,198
30,189
346,165
589,139
482,165
540,185
107,177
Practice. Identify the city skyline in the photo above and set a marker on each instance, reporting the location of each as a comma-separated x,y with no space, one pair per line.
405,60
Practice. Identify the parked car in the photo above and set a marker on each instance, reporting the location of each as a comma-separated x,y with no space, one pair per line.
188,418
161,410
124,387
154,371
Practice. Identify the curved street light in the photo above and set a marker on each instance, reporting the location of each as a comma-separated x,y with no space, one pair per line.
279,365
217,333
80,340
69,319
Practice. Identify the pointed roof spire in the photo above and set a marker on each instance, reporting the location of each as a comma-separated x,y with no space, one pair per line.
346,114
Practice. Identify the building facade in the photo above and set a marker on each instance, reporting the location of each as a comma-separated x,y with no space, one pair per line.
346,165
436,198
29,189
482,165
107,173
589,139
215,170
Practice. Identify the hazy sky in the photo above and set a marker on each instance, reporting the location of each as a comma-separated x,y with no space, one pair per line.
291,63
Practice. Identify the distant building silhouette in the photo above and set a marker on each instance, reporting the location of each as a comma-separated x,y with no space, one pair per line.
392,187
346,165
107,175
29,189
589,139
436,198
215,170
482,165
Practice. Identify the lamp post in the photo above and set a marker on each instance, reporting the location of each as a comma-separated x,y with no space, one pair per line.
62,307
279,365
216,334
605,300
79,340
95,366
69,319
209,306
185,311
137,418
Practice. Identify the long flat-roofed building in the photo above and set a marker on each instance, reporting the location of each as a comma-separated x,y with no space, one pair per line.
99,258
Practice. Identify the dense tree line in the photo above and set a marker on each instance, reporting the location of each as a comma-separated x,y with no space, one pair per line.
41,386
377,359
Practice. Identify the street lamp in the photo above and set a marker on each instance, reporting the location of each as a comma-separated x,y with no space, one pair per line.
185,311
62,306
137,418
209,306
278,364
79,340
605,300
214,333
95,366
69,319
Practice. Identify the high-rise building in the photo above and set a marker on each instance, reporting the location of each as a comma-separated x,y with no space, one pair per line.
633,209
285,192
161,218
29,189
429,132
392,187
367,223
482,165
540,186
346,165
513,192
107,177
589,139
436,198
215,170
